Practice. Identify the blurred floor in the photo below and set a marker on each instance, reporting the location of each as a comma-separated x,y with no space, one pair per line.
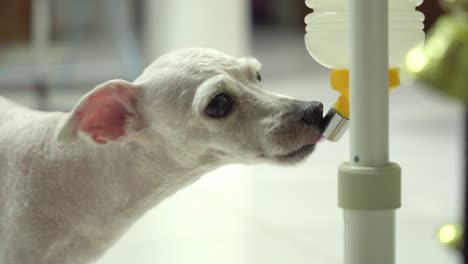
276,215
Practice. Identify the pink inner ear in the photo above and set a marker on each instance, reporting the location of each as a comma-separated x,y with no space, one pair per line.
104,114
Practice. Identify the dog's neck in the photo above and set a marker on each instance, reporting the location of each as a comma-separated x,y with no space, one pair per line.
153,174
117,184
136,178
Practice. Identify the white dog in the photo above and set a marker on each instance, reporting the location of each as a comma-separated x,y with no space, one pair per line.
72,183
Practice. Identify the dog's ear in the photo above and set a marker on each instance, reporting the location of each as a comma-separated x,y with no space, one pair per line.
107,113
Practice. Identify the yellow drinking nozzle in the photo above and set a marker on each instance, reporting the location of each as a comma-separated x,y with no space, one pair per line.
340,82
336,120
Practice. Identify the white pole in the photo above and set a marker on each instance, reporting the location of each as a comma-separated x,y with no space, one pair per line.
369,206
369,237
369,82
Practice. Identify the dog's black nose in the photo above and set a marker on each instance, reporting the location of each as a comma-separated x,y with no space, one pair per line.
313,113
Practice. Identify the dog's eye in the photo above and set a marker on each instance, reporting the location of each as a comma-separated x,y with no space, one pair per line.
259,77
219,106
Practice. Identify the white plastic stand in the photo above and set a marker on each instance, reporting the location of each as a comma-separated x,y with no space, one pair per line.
369,184
369,237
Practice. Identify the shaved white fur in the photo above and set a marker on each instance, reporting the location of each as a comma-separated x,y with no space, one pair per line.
67,200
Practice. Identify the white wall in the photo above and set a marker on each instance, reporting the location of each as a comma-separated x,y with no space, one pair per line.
169,25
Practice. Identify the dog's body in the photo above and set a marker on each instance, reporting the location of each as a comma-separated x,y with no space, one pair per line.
59,202
72,183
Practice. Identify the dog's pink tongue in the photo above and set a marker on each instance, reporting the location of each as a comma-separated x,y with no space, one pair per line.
316,139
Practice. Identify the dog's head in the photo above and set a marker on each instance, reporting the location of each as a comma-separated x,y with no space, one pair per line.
202,104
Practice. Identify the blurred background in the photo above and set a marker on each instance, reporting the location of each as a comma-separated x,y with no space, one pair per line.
53,51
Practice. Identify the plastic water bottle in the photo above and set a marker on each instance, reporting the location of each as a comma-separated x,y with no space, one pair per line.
327,30
327,40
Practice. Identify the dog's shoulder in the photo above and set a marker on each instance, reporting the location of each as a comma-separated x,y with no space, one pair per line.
11,112
9,108
6,102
